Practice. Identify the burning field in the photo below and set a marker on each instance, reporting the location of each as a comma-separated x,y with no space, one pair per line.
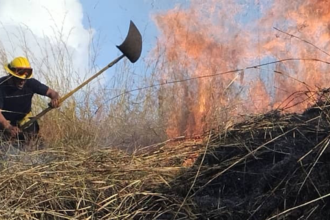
235,124
270,166
223,60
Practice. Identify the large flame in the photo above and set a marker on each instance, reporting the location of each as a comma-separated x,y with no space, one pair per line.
210,39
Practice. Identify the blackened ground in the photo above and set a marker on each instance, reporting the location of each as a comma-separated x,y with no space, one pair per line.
267,165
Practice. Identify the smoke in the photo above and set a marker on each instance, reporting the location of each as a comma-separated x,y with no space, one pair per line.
49,33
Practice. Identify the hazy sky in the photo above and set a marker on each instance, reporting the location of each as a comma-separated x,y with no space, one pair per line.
39,24
214,36
110,20
46,26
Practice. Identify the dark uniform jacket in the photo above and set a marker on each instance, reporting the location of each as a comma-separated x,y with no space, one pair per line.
16,103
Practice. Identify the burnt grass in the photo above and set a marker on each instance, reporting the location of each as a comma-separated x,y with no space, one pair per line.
271,166
268,166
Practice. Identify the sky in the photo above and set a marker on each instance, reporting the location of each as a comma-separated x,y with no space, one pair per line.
110,20
38,25
46,28
191,37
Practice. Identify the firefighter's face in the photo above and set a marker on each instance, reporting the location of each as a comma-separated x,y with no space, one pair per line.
19,83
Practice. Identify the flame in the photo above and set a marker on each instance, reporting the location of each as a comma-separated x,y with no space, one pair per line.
211,38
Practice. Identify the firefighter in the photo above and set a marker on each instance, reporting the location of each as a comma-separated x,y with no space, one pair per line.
16,92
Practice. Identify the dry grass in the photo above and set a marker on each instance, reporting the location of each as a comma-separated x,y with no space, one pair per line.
75,182
269,166
105,153
83,172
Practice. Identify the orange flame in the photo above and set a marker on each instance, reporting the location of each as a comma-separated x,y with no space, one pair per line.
210,38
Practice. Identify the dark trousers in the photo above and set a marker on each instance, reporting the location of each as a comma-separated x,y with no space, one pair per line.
30,132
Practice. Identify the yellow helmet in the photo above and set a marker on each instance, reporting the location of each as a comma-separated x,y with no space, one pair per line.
19,67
